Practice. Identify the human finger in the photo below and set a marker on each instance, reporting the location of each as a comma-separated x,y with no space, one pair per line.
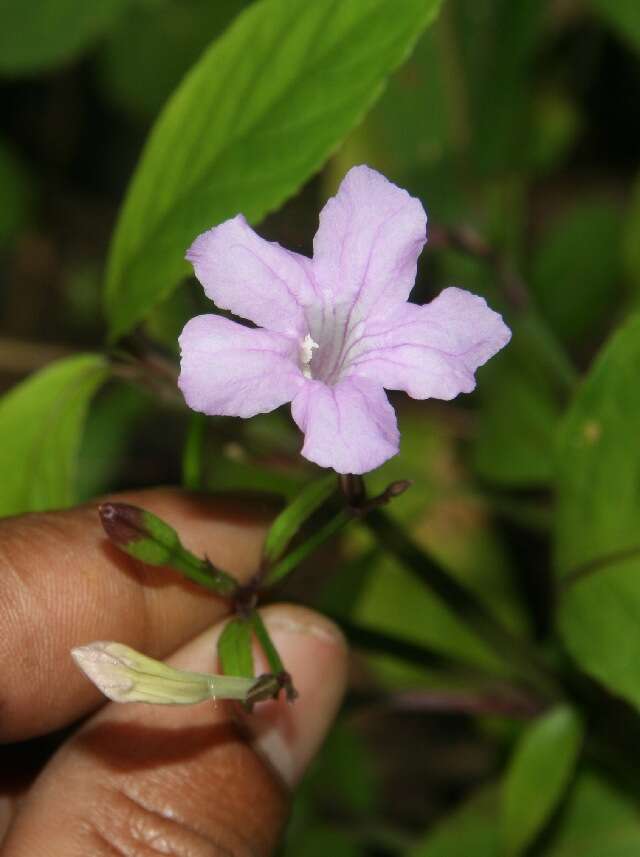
62,583
197,781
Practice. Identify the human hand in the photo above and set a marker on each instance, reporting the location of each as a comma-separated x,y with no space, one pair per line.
141,779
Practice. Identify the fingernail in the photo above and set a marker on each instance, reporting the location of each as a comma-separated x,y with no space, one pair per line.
313,650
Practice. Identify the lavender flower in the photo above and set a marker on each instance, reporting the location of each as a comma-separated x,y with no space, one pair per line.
333,331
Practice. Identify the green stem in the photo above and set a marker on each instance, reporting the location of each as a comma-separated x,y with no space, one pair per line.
193,453
463,603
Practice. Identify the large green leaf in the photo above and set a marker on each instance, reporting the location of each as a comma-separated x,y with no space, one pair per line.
578,292
41,422
497,40
538,775
631,239
519,413
514,444
598,516
596,821
249,124
41,33
622,15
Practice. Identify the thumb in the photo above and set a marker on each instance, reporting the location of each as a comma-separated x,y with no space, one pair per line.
202,780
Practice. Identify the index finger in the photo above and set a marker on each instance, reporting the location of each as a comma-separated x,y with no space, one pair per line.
62,584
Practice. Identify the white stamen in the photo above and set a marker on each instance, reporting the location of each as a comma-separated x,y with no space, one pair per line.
306,354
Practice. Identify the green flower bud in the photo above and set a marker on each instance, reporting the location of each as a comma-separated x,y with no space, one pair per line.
146,537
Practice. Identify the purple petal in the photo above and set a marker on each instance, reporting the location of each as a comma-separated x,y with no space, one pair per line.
430,351
231,370
253,278
350,427
367,246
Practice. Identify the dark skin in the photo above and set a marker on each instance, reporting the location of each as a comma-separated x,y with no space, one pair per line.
142,780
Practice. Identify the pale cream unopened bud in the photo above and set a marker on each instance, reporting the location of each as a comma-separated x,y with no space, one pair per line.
125,675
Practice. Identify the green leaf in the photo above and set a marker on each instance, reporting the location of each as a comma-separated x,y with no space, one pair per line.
470,830
597,821
116,413
496,76
234,648
250,123
578,292
43,33
622,15
538,774
262,635
597,517
41,422
514,444
289,521
631,240
521,406
449,520
322,534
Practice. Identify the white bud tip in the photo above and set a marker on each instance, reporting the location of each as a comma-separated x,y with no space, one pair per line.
108,671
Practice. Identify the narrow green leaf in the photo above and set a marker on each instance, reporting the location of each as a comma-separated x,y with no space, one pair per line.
234,648
41,422
539,772
597,517
289,521
273,658
42,33
257,116
293,559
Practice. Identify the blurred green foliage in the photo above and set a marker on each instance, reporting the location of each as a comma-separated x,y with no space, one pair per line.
44,33
597,517
41,424
516,124
538,775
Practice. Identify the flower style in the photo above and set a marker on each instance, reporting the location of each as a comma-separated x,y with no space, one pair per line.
335,331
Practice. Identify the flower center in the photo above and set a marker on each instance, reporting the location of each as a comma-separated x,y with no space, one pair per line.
329,346
306,354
